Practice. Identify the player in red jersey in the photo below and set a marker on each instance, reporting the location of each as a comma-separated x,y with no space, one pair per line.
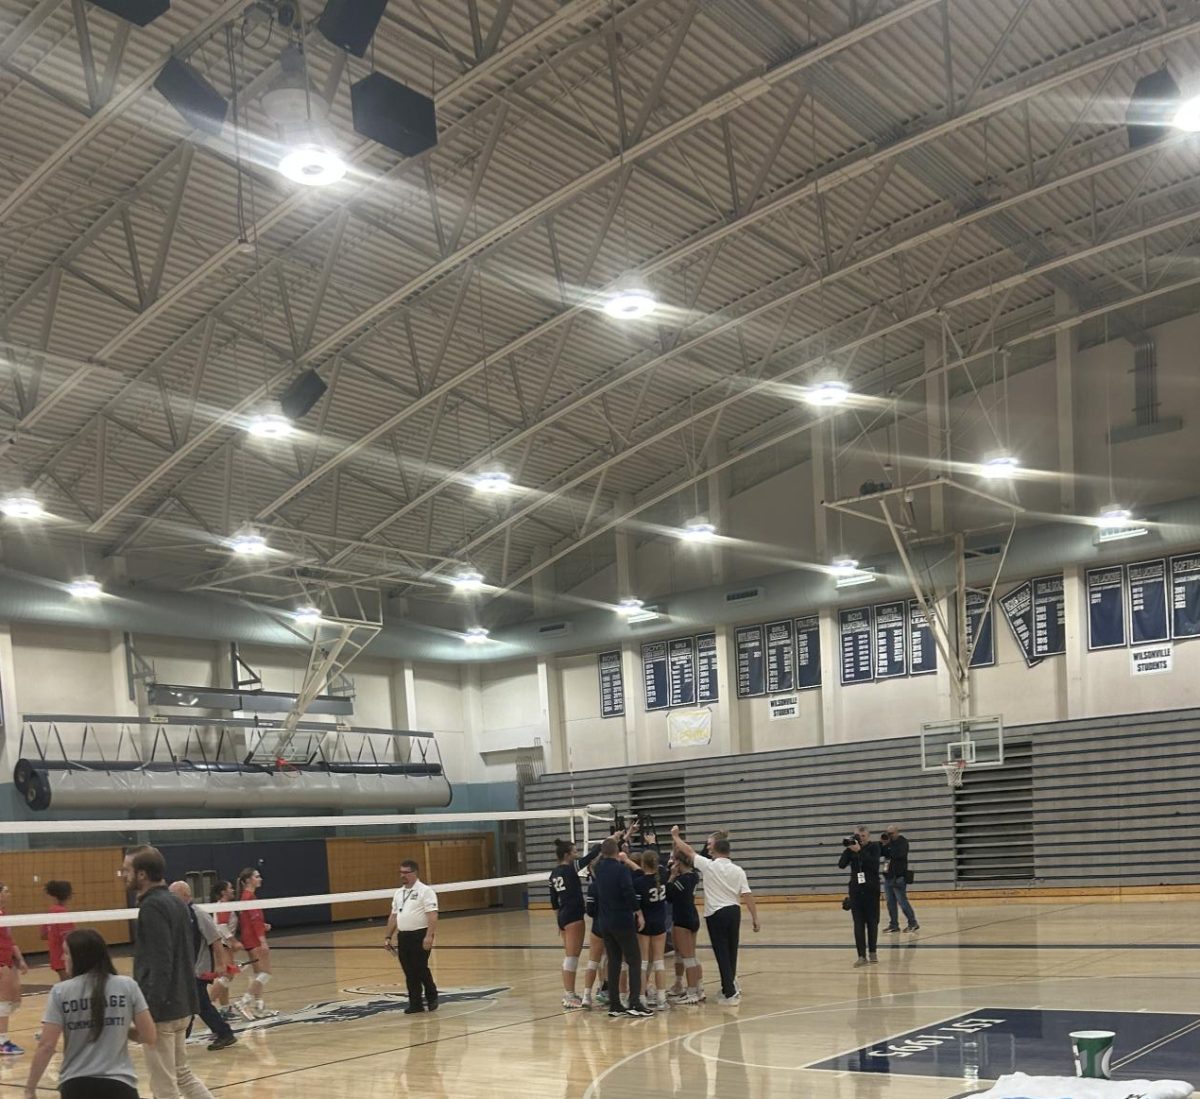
12,965
253,929
56,934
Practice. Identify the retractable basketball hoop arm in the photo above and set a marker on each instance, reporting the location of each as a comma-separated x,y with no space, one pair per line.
958,655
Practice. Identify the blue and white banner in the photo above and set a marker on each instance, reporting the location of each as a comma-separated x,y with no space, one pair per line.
808,652
891,656
1017,607
922,649
981,640
707,688
748,644
612,685
1185,595
781,657
857,640
1106,608
1049,616
681,661
654,675
1148,617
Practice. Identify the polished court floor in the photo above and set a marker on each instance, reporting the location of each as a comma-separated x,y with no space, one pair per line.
980,991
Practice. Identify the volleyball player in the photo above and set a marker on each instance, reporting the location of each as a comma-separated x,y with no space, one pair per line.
56,934
681,893
595,953
651,887
566,898
12,965
253,928
224,959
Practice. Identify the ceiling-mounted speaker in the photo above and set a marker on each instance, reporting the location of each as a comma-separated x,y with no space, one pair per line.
1152,108
351,24
302,394
393,115
141,13
201,105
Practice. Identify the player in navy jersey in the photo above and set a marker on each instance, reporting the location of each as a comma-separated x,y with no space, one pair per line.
651,888
566,898
595,952
681,895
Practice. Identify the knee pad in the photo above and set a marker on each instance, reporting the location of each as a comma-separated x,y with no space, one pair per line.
690,963
659,966
570,964
8,1007
593,966
262,978
624,967
645,965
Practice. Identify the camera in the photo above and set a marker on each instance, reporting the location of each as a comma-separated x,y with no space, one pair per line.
849,841
885,837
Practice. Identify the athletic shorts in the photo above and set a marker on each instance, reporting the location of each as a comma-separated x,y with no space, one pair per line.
597,930
689,921
569,916
654,929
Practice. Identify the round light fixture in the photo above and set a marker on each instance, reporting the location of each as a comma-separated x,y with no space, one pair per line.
999,466
22,505
827,394
85,587
630,606
1113,515
492,482
308,616
844,566
248,542
476,635
468,580
698,530
270,422
630,300
1187,117
312,165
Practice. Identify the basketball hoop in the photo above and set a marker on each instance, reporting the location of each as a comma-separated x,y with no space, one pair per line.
954,771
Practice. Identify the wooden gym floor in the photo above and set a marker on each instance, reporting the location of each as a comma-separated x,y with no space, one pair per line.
982,990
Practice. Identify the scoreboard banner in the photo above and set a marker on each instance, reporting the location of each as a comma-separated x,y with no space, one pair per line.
748,644
808,652
1106,608
612,684
1017,607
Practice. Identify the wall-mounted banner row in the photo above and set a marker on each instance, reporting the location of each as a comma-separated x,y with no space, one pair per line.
1129,605
1036,613
682,672
778,657
612,685
981,640
886,642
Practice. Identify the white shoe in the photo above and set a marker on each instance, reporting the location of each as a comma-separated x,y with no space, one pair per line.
246,1010
571,1002
264,1013
730,1001
662,1005
693,996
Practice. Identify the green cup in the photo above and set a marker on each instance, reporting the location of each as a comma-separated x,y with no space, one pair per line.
1093,1052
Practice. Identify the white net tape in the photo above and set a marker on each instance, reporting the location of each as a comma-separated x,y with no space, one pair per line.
581,817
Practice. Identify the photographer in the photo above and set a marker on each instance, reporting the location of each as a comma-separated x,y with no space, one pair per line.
896,876
861,855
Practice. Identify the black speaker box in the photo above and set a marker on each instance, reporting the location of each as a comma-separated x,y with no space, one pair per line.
200,104
351,24
1152,106
301,394
393,115
139,12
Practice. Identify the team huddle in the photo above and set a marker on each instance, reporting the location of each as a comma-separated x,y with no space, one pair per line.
634,901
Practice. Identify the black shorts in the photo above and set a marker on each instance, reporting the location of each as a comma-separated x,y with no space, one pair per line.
654,929
689,921
597,930
96,1087
569,916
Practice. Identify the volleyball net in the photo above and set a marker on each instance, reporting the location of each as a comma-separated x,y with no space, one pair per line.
378,853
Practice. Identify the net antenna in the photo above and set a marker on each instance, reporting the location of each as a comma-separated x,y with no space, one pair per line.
916,517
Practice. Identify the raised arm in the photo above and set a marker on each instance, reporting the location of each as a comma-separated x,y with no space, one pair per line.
681,845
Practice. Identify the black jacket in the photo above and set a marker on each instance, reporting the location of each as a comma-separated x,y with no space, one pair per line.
896,851
865,862
616,899
164,962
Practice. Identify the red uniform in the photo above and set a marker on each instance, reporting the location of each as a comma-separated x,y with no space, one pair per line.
6,945
252,928
56,937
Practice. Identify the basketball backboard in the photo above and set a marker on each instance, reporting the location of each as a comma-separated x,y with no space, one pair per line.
975,741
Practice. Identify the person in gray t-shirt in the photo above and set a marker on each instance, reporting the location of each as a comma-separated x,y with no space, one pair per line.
93,1010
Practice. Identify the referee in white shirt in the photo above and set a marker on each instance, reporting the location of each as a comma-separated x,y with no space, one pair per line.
725,891
413,922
